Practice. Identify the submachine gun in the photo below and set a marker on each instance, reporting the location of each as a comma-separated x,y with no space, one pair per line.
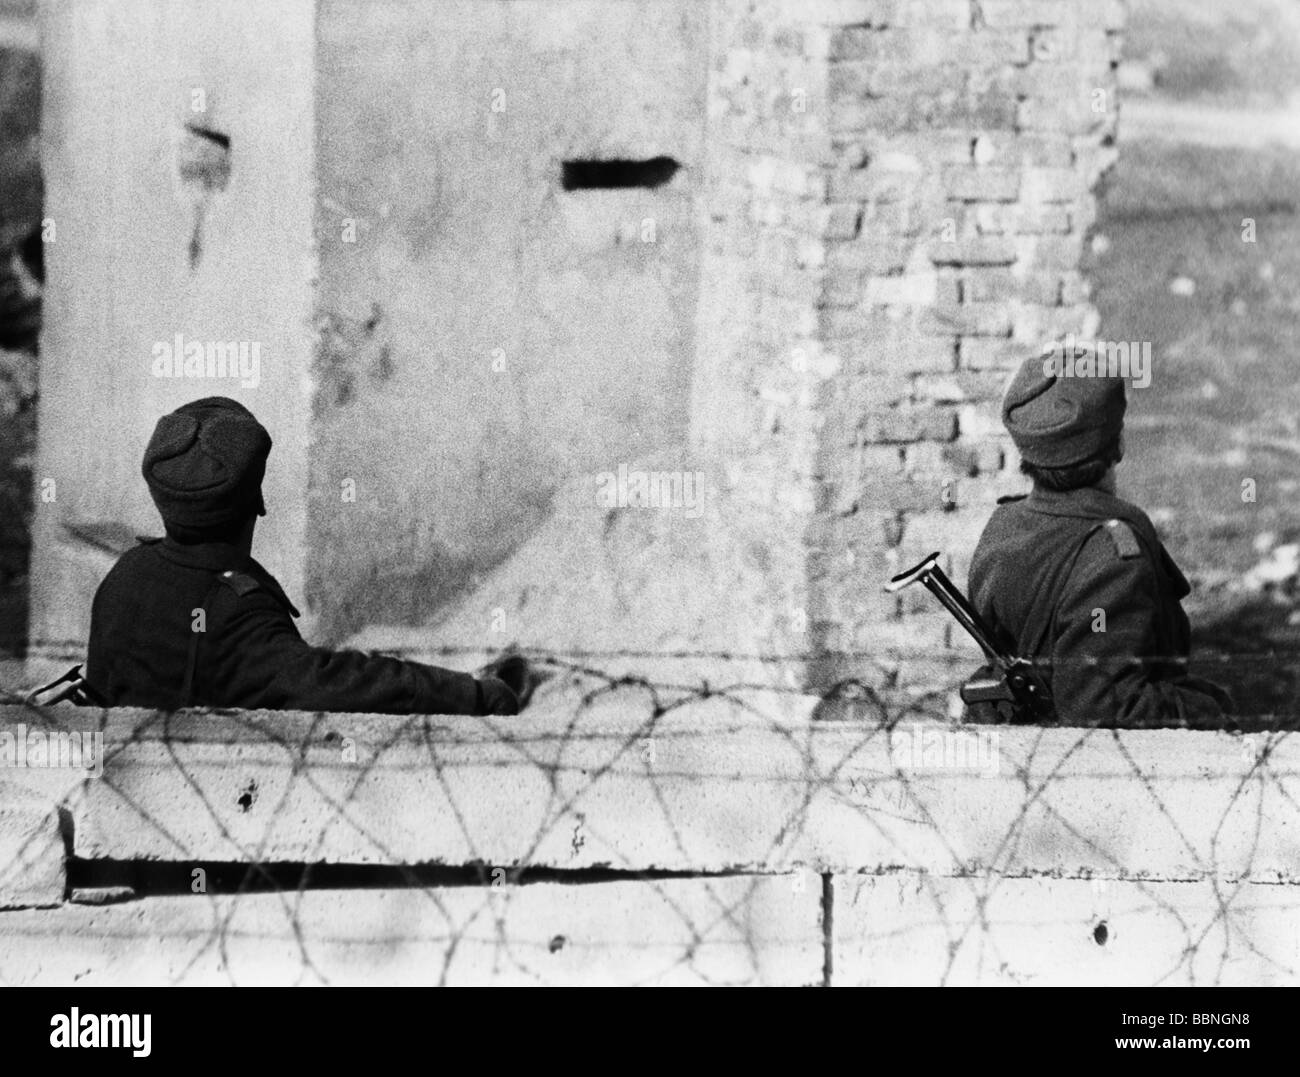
1007,689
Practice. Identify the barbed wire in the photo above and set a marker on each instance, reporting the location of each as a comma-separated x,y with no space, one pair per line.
960,913
63,649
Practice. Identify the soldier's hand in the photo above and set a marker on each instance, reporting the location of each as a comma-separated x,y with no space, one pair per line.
496,697
514,670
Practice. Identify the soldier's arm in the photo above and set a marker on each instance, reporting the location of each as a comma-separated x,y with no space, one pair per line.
1107,624
265,663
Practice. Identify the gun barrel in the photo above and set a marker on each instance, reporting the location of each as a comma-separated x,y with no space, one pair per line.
935,580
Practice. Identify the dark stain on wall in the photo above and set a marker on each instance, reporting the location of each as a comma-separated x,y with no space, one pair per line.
203,165
409,596
347,349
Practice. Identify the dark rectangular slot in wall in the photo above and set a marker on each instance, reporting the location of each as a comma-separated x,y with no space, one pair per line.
618,173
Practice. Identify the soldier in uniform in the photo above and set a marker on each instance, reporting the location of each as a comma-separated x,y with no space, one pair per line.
151,647
1075,577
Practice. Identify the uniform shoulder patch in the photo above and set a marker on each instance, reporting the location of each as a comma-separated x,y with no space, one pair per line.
1125,539
239,582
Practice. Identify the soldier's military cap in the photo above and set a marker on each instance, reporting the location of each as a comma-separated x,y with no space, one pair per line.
205,462
1056,421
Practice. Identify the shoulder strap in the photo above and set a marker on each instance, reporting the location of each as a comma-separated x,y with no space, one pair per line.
243,582
192,658
239,582
1126,541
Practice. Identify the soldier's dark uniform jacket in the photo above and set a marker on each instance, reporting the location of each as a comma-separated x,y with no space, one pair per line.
249,653
1080,582
193,620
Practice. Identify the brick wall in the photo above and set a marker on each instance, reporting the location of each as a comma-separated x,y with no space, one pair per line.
901,194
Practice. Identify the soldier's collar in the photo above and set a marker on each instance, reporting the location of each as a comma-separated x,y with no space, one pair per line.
222,557
213,556
1089,503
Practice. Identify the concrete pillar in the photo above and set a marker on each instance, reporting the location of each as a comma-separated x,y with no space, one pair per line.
137,93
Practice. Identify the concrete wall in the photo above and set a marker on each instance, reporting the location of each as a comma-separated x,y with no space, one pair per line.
613,839
489,334
719,592
120,83
19,25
